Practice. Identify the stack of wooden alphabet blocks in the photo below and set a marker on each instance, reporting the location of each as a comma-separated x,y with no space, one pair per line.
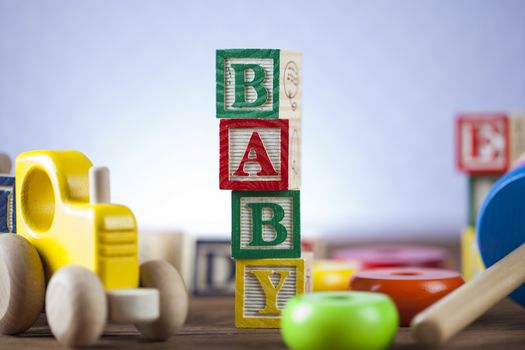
259,106
487,146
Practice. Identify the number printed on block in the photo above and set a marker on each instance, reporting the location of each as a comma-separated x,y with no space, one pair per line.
214,268
7,204
263,288
259,154
258,83
266,224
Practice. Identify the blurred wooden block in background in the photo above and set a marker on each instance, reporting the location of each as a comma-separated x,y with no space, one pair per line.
308,258
489,143
259,83
176,248
214,268
478,188
471,263
7,204
316,245
5,164
263,287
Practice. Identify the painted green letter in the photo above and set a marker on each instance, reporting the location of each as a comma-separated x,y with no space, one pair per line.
258,222
241,85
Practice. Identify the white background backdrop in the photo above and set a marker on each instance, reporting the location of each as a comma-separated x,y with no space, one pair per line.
132,85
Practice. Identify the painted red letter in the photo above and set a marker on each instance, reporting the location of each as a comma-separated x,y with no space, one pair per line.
261,157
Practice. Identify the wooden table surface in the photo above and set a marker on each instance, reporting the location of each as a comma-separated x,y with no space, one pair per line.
210,326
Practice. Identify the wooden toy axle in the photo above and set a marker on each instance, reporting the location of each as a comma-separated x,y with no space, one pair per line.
457,310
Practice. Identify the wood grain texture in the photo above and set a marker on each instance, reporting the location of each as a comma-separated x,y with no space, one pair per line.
22,284
235,135
263,288
282,81
76,306
133,305
173,299
210,326
244,228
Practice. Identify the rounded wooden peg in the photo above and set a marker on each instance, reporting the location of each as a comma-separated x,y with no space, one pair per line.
76,306
133,305
173,299
5,164
22,284
501,238
99,190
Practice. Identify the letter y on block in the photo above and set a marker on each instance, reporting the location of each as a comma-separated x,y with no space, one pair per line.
263,286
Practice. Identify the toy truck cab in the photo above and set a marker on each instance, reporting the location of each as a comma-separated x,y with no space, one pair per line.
57,216
85,249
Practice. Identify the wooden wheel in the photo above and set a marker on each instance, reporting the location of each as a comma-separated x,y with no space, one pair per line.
173,299
76,306
22,284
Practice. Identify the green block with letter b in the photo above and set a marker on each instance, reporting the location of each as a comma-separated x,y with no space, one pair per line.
259,83
266,224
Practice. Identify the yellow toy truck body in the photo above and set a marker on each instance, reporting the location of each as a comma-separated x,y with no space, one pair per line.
55,214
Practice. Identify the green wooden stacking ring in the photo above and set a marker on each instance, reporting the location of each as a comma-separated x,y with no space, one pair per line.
339,321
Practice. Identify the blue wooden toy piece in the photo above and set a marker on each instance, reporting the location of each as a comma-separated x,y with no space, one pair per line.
501,222
7,204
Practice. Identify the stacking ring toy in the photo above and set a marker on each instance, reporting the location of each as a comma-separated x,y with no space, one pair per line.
339,321
411,289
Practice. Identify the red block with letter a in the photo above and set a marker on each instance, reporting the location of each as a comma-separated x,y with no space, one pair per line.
482,143
259,154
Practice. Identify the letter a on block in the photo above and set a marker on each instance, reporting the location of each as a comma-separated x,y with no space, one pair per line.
270,291
255,155
256,147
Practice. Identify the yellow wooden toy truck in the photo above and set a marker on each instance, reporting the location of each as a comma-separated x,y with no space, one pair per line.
85,249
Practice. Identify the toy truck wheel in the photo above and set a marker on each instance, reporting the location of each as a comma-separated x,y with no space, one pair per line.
173,299
76,306
22,284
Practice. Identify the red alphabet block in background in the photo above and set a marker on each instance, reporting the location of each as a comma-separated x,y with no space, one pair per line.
259,154
482,143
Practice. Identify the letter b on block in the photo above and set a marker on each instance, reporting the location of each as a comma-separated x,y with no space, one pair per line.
266,224
259,83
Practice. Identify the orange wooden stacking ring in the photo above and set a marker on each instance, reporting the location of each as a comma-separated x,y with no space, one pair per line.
412,289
